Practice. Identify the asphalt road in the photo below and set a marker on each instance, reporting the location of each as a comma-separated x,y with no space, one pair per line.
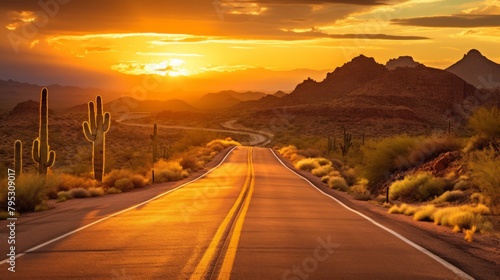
255,138
250,218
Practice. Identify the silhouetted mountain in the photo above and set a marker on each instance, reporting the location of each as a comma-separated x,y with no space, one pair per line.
421,92
402,61
477,70
365,92
130,104
60,97
279,94
26,108
225,99
338,83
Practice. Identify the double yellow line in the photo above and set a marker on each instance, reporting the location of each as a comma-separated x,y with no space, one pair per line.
210,257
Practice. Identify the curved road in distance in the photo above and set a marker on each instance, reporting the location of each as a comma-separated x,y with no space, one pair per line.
256,139
250,218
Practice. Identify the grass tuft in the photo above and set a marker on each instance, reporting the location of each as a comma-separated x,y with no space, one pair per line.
338,183
424,213
419,187
450,196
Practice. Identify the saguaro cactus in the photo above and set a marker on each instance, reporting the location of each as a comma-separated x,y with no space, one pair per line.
347,143
18,157
41,152
95,130
154,138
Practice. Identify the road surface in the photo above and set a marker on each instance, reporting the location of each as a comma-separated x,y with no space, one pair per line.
249,218
255,138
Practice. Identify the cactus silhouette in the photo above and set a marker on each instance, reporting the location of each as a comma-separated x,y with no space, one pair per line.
95,130
18,157
347,143
41,152
154,138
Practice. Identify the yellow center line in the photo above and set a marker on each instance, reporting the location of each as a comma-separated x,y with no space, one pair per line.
227,265
203,266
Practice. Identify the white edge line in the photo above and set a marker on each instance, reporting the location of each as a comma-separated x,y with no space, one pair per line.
119,212
448,265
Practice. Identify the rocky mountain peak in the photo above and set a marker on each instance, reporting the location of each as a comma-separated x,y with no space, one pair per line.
402,61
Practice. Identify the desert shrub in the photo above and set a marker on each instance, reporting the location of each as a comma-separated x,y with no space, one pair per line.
288,151
79,193
450,196
310,153
307,164
323,161
96,191
419,187
338,183
325,179
428,149
190,163
349,174
424,213
322,170
479,198
462,217
337,164
360,190
124,184
485,167
137,180
379,158
228,142
461,185
64,195
217,147
63,182
486,122
166,171
113,191
402,209
30,192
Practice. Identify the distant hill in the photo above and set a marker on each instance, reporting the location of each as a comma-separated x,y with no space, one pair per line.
225,99
60,97
402,61
280,94
29,107
129,104
477,70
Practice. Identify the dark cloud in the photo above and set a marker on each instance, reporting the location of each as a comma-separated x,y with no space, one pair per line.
314,33
314,2
452,21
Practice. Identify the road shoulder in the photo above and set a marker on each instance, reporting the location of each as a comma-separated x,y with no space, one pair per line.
479,259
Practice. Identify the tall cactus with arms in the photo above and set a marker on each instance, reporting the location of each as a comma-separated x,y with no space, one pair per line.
95,130
41,152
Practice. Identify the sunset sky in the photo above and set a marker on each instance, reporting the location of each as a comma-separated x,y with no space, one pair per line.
206,45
